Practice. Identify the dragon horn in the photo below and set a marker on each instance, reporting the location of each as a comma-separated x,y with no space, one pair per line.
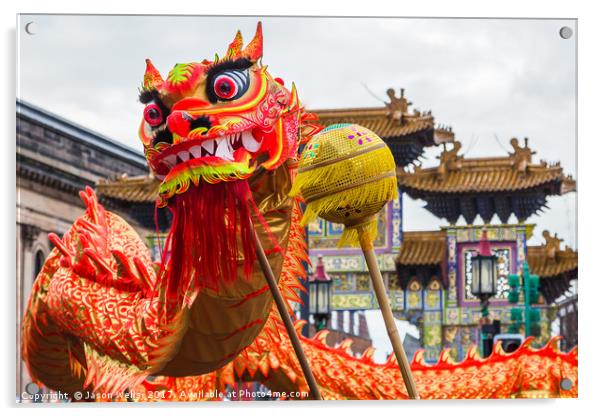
60,245
97,260
235,47
254,50
294,104
143,272
125,269
152,77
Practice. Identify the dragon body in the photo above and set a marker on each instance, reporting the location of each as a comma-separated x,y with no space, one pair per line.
526,373
223,137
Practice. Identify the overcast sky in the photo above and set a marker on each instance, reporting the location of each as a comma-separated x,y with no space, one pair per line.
485,78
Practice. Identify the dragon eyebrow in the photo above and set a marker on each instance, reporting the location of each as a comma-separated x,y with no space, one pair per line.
146,96
240,63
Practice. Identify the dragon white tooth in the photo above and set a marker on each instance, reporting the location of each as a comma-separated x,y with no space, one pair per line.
223,151
196,151
170,160
184,155
208,145
249,142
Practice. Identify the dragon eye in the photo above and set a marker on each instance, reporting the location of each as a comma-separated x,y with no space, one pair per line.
225,87
231,84
153,115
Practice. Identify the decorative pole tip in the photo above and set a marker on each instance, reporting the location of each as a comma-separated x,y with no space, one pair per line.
484,246
320,273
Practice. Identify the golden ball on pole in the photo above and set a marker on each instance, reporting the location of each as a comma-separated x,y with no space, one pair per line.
346,175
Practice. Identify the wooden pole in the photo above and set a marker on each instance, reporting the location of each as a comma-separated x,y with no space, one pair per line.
128,394
288,323
385,308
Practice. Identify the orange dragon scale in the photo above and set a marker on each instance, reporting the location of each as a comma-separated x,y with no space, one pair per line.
223,137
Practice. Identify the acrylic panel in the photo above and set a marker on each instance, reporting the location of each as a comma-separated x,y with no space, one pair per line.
159,163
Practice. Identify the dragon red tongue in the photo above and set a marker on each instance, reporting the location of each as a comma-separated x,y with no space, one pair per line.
209,222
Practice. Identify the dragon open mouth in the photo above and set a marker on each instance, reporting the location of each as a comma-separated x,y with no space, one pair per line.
227,157
234,147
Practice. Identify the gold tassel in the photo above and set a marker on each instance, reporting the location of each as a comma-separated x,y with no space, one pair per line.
361,235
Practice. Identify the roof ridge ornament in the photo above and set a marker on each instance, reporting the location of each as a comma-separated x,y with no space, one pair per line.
450,160
552,245
522,156
398,106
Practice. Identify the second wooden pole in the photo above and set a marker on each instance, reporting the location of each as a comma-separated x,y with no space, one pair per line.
385,308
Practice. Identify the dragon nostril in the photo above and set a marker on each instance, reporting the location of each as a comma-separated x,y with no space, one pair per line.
201,121
182,123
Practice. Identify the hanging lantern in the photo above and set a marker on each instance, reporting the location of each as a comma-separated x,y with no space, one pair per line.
484,270
319,295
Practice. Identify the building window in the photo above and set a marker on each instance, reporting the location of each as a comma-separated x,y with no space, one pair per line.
38,263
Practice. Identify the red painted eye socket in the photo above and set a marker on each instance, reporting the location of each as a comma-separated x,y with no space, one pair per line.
225,87
153,115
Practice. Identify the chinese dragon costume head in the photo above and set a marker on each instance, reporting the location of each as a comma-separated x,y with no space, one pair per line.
207,128
217,121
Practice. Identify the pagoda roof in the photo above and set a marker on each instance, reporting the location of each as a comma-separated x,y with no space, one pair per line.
420,257
422,248
406,132
425,248
486,174
137,189
380,121
549,260
556,267
486,186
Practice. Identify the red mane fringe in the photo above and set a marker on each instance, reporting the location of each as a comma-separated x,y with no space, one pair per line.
210,222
